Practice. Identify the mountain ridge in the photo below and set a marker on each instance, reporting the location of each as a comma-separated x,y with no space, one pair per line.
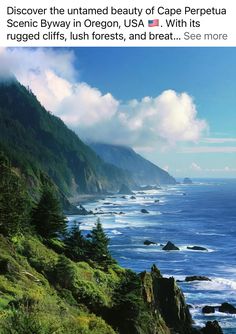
37,141
143,171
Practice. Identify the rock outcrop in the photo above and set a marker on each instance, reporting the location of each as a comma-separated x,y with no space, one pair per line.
82,211
124,190
170,246
166,299
187,180
149,242
196,278
227,308
208,309
212,327
197,248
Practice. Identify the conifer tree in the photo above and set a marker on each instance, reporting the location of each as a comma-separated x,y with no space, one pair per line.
76,245
14,200
65,272
99,245
47,217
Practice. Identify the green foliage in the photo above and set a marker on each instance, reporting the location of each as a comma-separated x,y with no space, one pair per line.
47,217
99,251
30,318
77,247
65,272
134,317
28,304
14,202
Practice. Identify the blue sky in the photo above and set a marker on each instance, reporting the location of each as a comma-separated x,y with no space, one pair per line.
207,74
175,106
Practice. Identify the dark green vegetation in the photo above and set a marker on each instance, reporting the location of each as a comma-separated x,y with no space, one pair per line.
12,195
142,170
46,217
42,147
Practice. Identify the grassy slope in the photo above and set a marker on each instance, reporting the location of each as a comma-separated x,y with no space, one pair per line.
34,299
25,268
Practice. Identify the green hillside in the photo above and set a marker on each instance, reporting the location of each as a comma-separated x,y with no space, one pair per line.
41,145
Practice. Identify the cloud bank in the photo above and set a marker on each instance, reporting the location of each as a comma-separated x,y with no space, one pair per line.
167,118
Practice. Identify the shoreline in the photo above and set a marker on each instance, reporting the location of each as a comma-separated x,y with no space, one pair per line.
85,198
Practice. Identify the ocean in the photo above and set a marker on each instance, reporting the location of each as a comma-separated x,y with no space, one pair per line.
198,214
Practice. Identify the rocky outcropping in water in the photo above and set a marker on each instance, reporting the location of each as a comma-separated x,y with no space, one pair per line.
124,190
170,246
212,327
187,180
167,302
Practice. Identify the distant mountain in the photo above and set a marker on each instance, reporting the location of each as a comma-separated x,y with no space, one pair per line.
142,170
41,146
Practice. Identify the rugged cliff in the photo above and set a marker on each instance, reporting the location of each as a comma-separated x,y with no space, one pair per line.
165,297
142,170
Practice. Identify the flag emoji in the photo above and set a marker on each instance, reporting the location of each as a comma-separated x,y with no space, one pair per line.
153,23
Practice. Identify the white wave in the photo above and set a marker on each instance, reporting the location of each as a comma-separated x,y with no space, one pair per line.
216,284
116,232
171,212
211,234
231,270
184,248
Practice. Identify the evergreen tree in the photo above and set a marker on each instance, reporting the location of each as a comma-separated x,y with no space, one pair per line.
76,245
65,272
14,200
99,245
47,217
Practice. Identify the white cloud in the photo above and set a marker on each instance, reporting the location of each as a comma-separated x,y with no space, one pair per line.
219,140
167,118
195,167
171,117
225,169
209,149
86,106
166,168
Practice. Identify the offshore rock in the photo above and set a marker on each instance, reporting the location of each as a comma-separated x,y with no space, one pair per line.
148,243
124,190
170,246
208,309
83,212
197,278
227,308
197,248
187,180
212,327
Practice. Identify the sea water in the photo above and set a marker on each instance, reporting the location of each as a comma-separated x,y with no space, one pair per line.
198,214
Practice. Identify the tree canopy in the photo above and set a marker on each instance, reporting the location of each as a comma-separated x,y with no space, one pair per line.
99,244
14,200
47,216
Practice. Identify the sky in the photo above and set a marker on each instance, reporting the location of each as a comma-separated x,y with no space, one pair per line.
174,106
